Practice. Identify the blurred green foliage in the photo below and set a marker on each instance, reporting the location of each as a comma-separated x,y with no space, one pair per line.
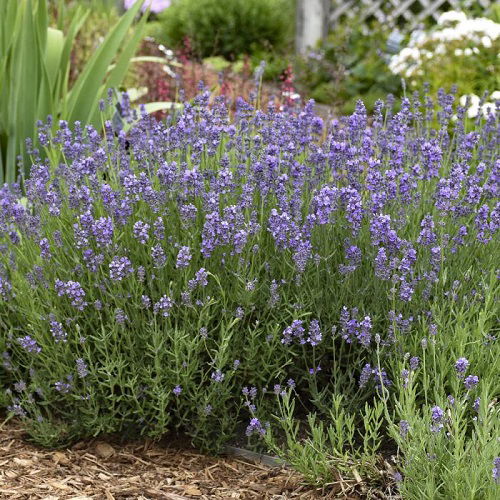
348,65
227,28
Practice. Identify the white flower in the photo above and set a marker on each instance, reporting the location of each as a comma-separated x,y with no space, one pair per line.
460,52
496,95
488,107
474,100
409,52
468,51
475,50
452,16
486,41
409,72
440,49
473,111
417,37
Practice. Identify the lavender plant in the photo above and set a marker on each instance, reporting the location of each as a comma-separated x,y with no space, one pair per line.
187,275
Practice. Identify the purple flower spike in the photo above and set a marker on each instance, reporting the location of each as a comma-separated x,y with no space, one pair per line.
183,257
29,344
163,306
255,427
461,366
471,382
120,268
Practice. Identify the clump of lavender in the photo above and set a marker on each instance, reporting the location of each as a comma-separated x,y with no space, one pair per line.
146,263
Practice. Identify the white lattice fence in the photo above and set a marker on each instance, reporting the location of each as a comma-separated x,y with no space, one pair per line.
315,17
407,13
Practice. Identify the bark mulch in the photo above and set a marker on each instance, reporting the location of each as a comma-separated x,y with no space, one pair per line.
97,469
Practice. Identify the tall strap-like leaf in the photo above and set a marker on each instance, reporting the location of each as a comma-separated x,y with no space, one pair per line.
53,52
62,82
45,95
25,89
119,70
83,94
42,21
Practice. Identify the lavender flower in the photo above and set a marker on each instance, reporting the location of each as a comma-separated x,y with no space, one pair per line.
120,268
437,416
163,306
57,331
29,344
476,404
183,257
120,317
45,249
217,376
73,290
496,470
63,387
414,362
158,256
81,368
404,427
315,335
141,232
20,386
471,382
366,374
461,366
146,301
255,427
103,231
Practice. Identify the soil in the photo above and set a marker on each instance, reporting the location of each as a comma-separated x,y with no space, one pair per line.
105,469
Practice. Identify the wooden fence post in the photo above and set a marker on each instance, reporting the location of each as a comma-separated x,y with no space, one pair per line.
311,23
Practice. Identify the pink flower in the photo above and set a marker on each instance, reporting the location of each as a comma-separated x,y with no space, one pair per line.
156,5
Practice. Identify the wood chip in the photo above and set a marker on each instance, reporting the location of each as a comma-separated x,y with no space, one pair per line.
193,491
104,450
60,458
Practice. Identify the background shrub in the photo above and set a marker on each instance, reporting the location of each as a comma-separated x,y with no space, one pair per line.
227,28
349,64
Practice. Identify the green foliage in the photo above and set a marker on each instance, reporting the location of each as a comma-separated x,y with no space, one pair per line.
34,64
345,441
227,28
349,65
457,461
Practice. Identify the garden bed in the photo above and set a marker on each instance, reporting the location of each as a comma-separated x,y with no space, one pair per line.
97,469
